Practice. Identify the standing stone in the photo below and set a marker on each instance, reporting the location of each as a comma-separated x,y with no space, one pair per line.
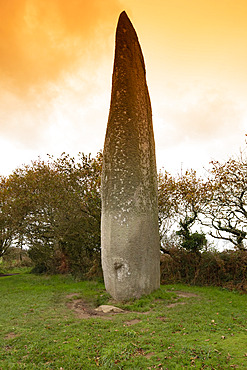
130,237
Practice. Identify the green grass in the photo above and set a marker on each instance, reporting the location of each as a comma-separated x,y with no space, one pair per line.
38,331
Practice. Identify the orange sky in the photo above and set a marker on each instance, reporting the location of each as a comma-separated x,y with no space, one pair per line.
56,60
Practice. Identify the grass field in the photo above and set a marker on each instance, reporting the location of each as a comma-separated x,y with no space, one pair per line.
176,327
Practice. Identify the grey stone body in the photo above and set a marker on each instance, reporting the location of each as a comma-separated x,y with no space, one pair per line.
130,237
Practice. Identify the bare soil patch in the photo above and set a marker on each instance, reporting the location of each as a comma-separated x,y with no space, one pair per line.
11,335
71,295
150,354
180,294
162,318
83,310
184,294
132,322
175,304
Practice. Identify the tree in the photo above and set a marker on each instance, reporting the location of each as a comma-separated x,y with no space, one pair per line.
12,213
6,225
182,199
80,214
226,213
166,209
56,209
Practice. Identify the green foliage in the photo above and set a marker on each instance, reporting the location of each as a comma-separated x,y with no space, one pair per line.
193,242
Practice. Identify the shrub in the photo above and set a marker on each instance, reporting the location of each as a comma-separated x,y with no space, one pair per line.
227,269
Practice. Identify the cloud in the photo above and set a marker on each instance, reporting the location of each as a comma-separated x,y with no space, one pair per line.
194,126
200,115
51,55
68,112
39,40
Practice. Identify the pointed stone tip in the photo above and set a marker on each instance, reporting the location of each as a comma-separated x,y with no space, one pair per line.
124,19
123,14
127,39
124,24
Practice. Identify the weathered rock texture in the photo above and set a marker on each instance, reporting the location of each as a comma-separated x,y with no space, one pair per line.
130,237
